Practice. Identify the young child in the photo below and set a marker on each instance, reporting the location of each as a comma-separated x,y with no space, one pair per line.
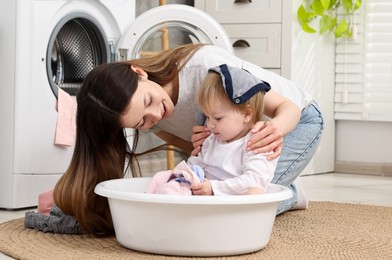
232,101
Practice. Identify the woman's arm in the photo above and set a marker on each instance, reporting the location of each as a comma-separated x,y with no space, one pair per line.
282,111
268,135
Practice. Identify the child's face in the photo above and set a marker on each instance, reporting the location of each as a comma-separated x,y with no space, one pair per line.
226,123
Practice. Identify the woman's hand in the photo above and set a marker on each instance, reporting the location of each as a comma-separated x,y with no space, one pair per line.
266,138
199,134
203,188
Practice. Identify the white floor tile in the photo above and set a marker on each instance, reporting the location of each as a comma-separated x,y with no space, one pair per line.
6,215
349,188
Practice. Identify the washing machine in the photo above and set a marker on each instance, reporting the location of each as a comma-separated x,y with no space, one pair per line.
52,44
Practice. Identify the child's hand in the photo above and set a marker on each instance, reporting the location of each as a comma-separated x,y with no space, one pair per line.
203,188
196,151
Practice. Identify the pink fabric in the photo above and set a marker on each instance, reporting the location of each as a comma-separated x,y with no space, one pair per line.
45,202
66,119
160,184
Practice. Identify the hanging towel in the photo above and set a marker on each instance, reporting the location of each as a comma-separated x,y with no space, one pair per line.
66,119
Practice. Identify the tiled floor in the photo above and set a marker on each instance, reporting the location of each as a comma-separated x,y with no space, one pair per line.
336,187
349,188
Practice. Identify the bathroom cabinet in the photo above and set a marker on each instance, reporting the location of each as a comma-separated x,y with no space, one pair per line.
256,29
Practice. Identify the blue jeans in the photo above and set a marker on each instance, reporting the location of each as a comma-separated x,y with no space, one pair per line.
299,146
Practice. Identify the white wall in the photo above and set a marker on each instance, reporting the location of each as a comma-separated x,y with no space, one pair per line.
365,142
313,68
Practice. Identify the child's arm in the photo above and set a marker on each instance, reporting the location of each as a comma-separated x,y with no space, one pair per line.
257,173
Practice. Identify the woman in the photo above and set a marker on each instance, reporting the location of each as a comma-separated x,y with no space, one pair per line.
158,93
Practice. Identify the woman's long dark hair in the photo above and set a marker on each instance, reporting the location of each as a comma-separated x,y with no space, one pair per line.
101,149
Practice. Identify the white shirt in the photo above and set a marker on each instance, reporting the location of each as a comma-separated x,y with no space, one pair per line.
231,169
186,115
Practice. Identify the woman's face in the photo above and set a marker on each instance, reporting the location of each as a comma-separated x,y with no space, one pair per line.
149,104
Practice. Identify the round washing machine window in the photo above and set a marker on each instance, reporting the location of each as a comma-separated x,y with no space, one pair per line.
77,45
168,35
168,26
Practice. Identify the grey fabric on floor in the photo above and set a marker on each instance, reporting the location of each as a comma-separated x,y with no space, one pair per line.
55,222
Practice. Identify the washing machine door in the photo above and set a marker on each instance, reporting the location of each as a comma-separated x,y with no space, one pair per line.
168,26
77,45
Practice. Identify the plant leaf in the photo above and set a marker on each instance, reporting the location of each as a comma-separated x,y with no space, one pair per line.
333,23
348,33
311,15
326,12
358,4
325,24
307,28
301,14
325,4
348,5
317,7
332,3
341,28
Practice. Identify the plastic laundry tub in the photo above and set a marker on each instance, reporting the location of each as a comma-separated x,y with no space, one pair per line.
190,225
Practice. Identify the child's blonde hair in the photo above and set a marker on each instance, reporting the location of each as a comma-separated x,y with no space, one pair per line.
212,89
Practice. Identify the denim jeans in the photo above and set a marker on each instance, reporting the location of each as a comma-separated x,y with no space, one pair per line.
299,146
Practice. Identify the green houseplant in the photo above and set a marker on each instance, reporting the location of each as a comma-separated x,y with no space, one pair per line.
326,12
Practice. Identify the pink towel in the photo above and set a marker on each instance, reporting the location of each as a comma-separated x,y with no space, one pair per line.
66,119
160,185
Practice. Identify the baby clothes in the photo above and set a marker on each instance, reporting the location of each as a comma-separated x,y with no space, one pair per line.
176,181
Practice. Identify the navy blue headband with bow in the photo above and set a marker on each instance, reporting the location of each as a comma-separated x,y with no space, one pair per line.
239,84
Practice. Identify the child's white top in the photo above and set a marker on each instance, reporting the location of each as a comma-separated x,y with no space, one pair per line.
231,169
